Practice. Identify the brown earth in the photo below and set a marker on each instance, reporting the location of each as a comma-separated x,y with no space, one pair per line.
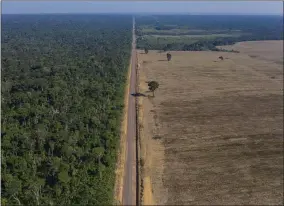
264,50
213,133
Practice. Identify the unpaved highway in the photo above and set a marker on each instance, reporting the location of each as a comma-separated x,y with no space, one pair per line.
129,185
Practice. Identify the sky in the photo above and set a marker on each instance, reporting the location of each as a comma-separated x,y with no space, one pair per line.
193,7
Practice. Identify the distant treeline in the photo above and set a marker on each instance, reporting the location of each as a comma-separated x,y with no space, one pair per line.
254,28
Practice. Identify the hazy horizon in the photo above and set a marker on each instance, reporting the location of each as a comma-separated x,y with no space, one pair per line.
146,7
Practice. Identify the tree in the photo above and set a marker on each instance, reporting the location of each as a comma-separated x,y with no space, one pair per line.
61,113
153,85
146,50
169,56
98,152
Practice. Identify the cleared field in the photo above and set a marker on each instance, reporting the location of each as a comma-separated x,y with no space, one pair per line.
266,50
213,134
194,36
163,40
167,39
166,32
184,31
158,40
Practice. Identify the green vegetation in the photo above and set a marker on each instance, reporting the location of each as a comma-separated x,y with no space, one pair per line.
153,85
62,95
146,50
159,43
169,56
197,33
166,42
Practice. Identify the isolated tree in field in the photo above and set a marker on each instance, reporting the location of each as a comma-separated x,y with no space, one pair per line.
169,56
146,51
153,85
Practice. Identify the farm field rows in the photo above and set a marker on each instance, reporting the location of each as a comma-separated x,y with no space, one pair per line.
213,133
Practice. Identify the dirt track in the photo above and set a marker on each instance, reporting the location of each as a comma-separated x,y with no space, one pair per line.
213,134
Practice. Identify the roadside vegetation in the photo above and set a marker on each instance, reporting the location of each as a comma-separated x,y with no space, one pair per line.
204,32
62,95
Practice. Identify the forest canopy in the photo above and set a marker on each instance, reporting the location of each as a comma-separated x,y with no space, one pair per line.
204,32
62,95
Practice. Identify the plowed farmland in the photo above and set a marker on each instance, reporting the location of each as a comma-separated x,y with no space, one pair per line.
213,133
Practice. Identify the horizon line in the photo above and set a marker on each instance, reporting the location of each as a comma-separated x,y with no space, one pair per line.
149,13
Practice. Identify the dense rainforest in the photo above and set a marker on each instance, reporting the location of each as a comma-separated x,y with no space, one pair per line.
240,27
62,95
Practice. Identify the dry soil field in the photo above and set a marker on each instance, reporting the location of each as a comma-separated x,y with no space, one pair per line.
264,50
213,134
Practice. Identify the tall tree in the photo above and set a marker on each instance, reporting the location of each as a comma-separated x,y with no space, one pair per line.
146,50
169,56
153,85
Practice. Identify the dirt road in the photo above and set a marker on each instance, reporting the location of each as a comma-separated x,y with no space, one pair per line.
129,188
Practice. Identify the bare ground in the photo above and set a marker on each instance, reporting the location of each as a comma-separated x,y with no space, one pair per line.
263,50
214,132
120,165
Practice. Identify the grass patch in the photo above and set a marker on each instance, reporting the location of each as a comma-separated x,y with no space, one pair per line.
184,31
